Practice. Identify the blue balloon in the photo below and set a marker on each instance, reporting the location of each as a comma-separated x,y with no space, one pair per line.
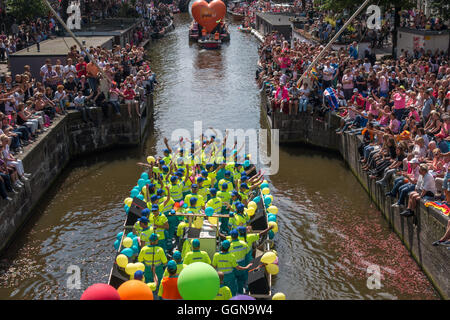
134,193
185,205
131,235
135,241
264,185
117,244
271,217
141,183
127,209
140,197
267,201
246,163
209,211
129,252
271,234
144,175
257,199
135,249
136,188
148,181
119,236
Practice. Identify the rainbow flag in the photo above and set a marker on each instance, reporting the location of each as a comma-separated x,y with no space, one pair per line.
445,210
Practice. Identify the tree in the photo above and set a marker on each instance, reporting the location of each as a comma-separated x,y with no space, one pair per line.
23,9
442,7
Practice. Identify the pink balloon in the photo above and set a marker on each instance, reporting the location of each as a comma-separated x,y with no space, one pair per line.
276,261
100,291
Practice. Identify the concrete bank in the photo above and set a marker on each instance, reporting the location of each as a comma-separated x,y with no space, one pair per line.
69,137
431,224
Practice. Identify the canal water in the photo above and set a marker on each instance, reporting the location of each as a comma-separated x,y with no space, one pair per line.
329,235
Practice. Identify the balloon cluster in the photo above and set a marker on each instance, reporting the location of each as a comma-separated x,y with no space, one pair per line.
129,290
270,259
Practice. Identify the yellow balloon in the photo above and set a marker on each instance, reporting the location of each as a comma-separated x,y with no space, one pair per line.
265,181
266,191
279,296
122,260
268,257
272,269
251,211
130,269
140,266
272,209
128,201
151,159
152,285
213,220
252,204
275,226
127,242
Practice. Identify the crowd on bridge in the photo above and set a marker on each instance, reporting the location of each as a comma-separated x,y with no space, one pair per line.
401,107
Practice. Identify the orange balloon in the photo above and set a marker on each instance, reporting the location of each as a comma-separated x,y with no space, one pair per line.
134,290
208,15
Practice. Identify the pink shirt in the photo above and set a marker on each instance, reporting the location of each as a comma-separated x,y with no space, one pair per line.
399,101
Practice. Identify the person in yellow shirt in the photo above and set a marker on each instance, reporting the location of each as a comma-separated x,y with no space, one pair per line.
178,260
224,292
202,190
196,255
194,193
146,232
137,228
240,250
153,257
160,223
225,262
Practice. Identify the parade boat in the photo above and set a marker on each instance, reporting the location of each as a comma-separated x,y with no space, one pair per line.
209,43
194,33
262,216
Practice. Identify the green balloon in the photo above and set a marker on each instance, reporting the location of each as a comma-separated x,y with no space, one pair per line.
198,281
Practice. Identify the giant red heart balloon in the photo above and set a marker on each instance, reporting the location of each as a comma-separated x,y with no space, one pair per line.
208,15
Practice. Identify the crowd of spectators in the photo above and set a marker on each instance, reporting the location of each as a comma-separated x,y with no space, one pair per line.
29,106
400,107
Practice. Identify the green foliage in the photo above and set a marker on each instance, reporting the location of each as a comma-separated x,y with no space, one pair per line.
22,9
442,7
